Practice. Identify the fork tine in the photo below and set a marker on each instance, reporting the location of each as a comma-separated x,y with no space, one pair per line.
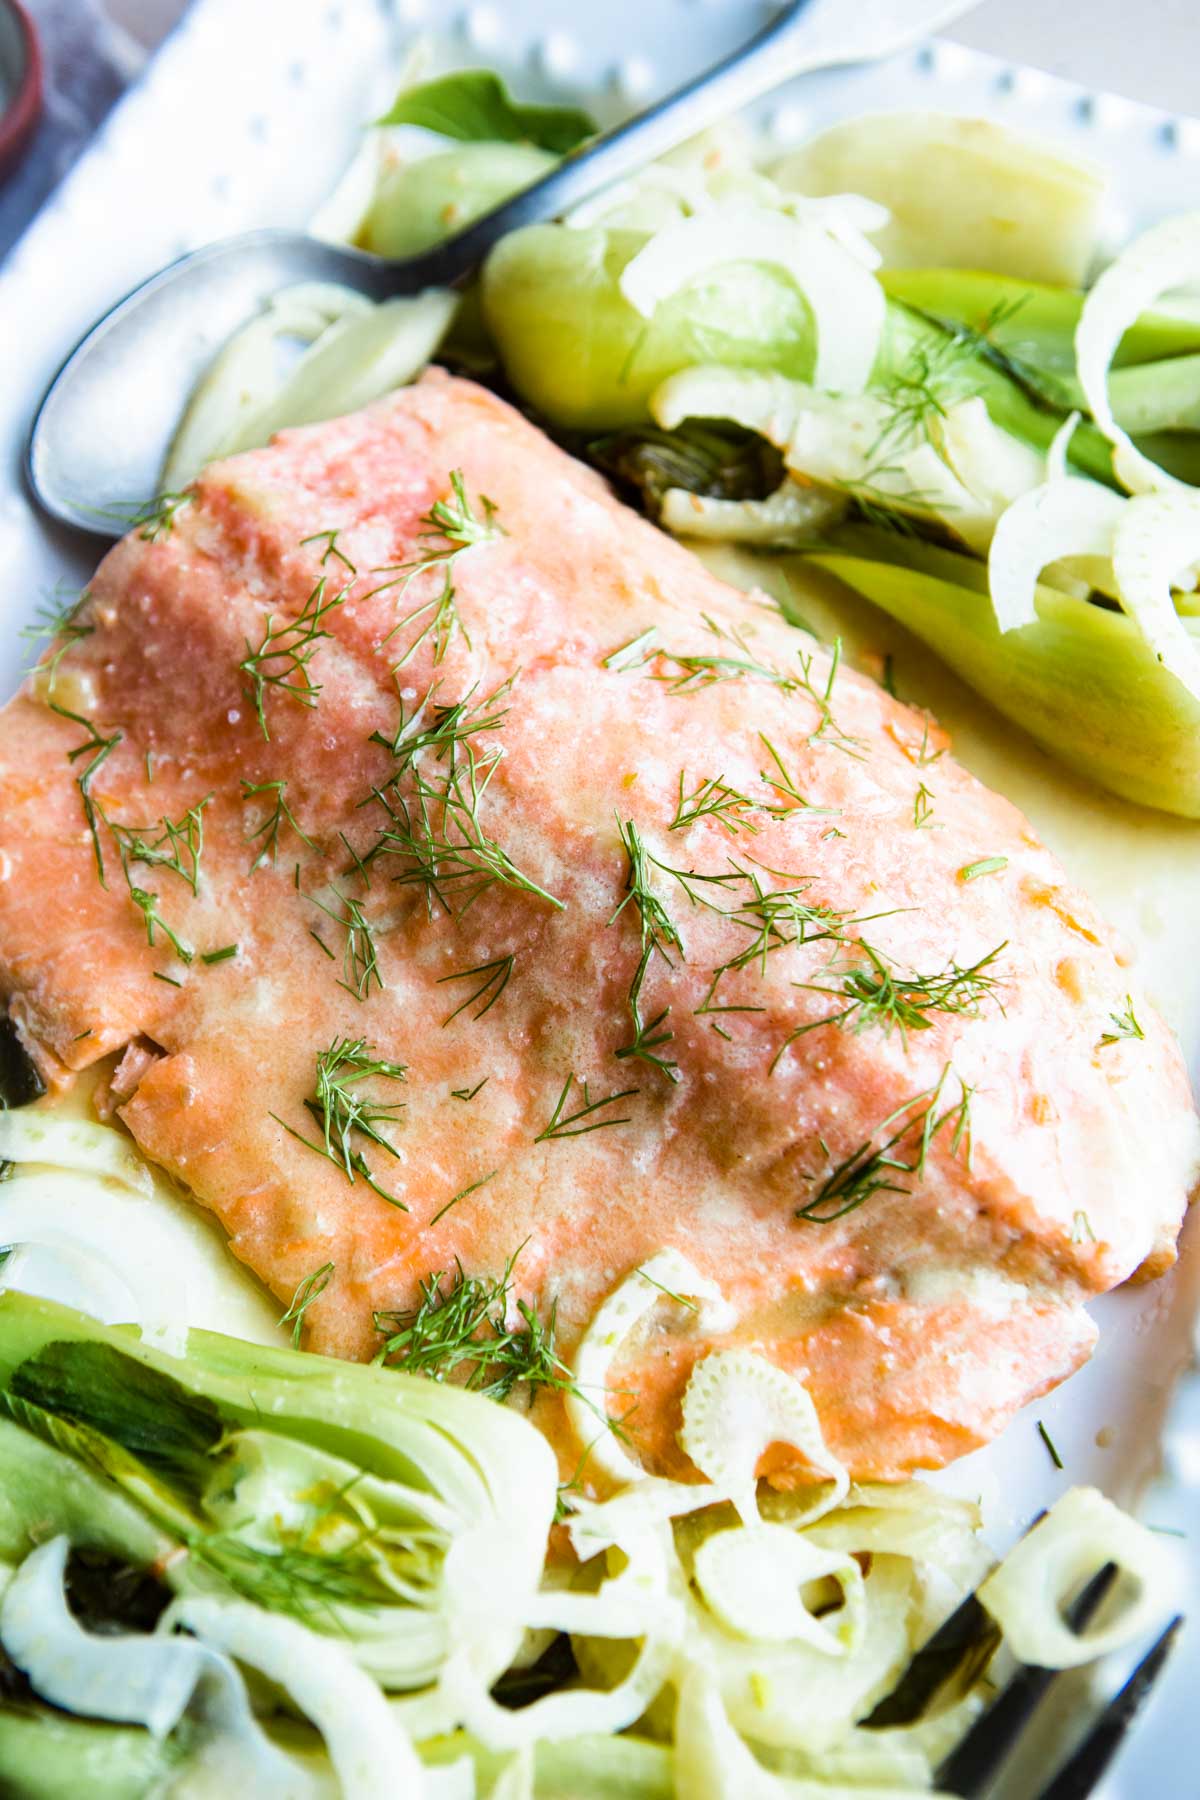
1081,1772
966,1640
972,1765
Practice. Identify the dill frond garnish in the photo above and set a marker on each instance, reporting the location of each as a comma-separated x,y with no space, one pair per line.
454,521
147,904
713,799
785,784
565,1125
1124,1025
308,1584
469,1093
877,995
167,844
659,935
496,976
224,954
633,655
360,957
442,730
1081,1229
99,748
877,1168
158,516
989,865
471,1188
330,541
437,833
1051,1446
462,1330
308,1290
692,674
57,618
273,823
282,659
342,1110
923,809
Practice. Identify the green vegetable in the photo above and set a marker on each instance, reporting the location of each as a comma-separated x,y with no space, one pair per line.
596,1766
48,1755
1082,681
417,204
720,462
474,106
578,352
325,1490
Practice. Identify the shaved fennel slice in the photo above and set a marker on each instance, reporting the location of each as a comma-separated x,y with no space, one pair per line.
967,479
33,1136
1167,256
846,302
367,1745
358,359
1079,1534
790,516
666,1274
1064,517
753,1579
1156,547
736,1405
133,1679
712,1760
246,373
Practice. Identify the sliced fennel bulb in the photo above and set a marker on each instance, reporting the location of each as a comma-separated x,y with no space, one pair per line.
846,302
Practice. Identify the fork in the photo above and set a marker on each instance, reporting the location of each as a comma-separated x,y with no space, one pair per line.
102,429
978,1758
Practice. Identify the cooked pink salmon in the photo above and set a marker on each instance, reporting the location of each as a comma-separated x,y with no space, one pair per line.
888,1088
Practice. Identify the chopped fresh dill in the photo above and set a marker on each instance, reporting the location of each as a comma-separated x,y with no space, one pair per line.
463,1330
472,1188
633,655
330,541
1124,1025
877,994
308,1290
157,517
99,748
167,844
218,956
720,1030
874,1168
785,784
80,1035
1055,1458
282,660
437,833
170,980
1081,1229
679,1299
455,521
442,729
469,1093
659,935
273,822
565,1125
320,941
924,756
341,1108
495,975
990,865
923,809
889,676
360,958
147,904
57,618
713,799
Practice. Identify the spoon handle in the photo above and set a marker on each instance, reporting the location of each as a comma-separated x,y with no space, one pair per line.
806,35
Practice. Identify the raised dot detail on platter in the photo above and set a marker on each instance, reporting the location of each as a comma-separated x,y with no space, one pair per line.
1031,84
558,54
635,78
1187,136
484,27
949,60
1112,111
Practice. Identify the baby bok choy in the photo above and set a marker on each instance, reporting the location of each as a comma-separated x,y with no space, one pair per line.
342,1530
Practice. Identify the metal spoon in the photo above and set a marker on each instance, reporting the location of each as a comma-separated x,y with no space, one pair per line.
100,435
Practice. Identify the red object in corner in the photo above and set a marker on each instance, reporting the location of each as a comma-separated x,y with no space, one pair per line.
18,121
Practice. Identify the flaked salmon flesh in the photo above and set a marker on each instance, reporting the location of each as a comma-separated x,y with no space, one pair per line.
883,1085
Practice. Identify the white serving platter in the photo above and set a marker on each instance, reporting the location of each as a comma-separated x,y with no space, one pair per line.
247,116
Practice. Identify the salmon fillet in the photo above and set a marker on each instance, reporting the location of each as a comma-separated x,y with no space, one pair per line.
889,1091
